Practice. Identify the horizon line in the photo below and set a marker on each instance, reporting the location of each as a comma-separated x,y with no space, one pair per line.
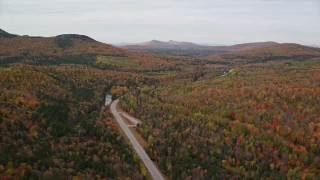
118,43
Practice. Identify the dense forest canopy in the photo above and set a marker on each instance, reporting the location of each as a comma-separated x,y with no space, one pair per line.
248,114
258,121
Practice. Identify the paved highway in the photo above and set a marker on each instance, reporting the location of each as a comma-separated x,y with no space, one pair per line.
153,170
227,72
132,119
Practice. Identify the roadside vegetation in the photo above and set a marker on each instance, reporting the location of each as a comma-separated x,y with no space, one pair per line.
53,125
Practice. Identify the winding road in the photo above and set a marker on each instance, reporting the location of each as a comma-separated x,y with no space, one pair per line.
130,118
227,72
153,170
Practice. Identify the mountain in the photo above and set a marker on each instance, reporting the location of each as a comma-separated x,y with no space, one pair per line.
172,48
155,44
73,48
4,34
273,52
188,48
53,46
51,102
286,49
246,46
200,120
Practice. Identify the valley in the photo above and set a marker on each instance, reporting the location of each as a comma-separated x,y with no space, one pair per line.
247,111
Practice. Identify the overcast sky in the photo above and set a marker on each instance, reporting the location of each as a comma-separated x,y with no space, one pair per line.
200,21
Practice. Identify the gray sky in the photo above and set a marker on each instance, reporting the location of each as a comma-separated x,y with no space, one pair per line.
200,21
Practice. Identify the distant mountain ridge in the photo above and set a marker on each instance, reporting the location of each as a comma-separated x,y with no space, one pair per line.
162,45
283,51
177,45
246,46
15,48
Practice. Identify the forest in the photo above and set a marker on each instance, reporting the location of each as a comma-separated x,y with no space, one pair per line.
252,114
259,121
53,125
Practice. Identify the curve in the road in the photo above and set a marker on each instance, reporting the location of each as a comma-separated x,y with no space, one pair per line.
132,119
153,170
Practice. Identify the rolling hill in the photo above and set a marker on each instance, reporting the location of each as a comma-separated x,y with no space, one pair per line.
53,124
189,49
173,48
270,53
246,46
74,49
4,34
155,44
68,44
176,45
200,120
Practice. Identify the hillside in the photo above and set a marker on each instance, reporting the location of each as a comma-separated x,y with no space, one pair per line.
51,104
172,48
270,53
74,49
249,114
4,34
54,46
246,46
190,49
53,124
260,121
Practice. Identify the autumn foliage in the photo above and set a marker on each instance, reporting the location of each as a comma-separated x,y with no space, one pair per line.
251,114
260,121
53,125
